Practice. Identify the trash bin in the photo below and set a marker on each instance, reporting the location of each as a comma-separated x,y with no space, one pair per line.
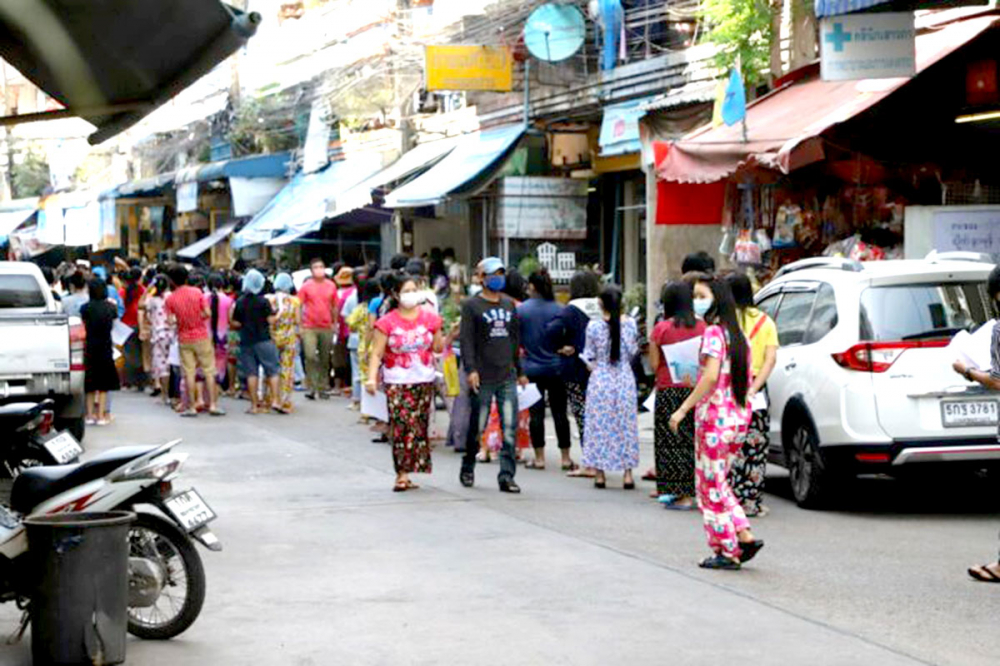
79,604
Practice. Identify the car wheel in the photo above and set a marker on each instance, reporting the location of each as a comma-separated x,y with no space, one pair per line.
808,475
77,427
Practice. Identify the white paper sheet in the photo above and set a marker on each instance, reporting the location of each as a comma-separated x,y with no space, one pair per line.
974,349
650,403
120,333
376,406
759,403
527,396
682,360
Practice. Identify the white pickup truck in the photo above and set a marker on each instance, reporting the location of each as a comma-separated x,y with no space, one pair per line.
41,349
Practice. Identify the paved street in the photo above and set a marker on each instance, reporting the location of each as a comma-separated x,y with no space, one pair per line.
324,565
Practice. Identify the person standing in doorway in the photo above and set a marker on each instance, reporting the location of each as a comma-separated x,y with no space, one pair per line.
186,307
674,453
721,419
750,464
611,441
543,367
319,312
490,342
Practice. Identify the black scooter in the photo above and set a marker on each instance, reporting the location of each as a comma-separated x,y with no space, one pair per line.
27,438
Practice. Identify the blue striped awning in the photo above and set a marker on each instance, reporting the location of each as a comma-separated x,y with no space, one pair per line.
835,7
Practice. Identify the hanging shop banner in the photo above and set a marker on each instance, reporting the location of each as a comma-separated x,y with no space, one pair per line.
83,225
250,195
456,67
868,46
187,197
316,153
967,231
545,208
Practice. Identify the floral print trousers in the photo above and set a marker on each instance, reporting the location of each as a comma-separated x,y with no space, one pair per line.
749,465
286,375
409,413
721,511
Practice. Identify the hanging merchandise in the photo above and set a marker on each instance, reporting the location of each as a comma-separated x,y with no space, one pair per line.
728,244
763,240
747,250
789,218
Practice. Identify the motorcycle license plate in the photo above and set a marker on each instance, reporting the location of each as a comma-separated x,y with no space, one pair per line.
190,510
63,448
969,413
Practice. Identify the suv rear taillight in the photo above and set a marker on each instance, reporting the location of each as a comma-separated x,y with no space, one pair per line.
77,341
879,356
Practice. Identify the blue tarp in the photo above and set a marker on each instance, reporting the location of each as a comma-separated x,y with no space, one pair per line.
465,169
301,206
256,166
835,7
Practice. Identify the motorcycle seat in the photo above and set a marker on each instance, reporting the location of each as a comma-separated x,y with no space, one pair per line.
37,484
15,414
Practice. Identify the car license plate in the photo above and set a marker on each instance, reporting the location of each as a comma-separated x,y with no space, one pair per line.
63,448
969,413
190,510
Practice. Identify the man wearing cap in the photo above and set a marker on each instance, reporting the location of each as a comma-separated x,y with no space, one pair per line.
490,343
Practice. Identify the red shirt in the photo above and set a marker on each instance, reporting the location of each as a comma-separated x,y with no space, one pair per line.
187,305
131,316
665,333
317,300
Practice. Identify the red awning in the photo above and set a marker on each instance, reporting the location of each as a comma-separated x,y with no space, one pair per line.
784,126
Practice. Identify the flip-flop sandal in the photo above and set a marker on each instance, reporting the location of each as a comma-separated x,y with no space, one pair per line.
189,413
983,574
720,562
412,486
280,410
674,506
570,467
400,487
533,464
581,473
750,549
649,476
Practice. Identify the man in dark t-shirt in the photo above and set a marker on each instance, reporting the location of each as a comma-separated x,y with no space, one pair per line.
252,316
490,341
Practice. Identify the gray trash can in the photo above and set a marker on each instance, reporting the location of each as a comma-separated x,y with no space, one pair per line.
79,604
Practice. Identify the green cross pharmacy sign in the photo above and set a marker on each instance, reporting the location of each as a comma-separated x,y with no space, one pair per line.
867,46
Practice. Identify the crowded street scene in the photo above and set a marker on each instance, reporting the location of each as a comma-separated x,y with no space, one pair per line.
480,331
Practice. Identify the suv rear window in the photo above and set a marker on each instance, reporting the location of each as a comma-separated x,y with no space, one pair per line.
20,291
922,311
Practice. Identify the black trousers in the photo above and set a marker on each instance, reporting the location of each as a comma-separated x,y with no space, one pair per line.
553,391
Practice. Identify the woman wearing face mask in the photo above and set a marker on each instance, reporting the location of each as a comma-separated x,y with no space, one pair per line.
403,348
721,419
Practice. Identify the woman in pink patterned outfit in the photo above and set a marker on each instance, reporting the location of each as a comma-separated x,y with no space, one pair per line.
721,418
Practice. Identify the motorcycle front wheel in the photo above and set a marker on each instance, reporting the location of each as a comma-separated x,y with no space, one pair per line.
165,571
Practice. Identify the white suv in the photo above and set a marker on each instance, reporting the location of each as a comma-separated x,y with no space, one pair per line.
863,382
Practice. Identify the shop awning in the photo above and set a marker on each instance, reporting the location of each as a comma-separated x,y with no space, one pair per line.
112,62
274,165
838,7
11,220
418,159
302,204
620,127
472,164
205,244
784,127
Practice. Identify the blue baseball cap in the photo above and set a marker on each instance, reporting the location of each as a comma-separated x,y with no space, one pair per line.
491,265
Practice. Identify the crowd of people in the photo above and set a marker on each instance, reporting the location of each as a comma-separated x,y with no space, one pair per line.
423,331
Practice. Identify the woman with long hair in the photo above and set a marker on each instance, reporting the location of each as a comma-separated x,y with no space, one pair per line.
674,453
405,341
286,337
611,439
567,334
160,335
721,418
131,294
750,464
219,305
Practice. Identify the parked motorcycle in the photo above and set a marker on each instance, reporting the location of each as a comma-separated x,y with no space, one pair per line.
166,576
28,438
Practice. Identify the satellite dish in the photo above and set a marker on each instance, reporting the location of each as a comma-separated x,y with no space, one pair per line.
554,32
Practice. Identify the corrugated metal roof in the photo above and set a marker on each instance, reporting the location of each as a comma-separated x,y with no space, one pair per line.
692,93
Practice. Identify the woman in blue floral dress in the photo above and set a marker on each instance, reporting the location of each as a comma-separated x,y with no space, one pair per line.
611,436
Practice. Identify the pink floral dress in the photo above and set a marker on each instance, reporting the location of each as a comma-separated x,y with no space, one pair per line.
720,424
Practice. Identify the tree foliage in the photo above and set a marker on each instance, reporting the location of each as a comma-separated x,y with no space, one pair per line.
744,31
30,176
264,125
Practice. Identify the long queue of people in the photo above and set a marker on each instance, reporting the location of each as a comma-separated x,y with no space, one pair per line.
711,424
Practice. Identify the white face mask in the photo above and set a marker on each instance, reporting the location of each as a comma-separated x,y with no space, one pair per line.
411,299
702,306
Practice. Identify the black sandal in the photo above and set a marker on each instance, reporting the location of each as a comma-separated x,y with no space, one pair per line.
750,549
720,562
987,576
600,482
